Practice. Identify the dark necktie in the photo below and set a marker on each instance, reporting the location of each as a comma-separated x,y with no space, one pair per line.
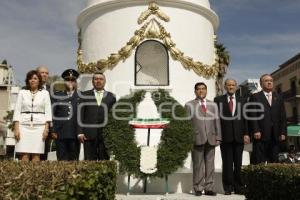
203,107
231,104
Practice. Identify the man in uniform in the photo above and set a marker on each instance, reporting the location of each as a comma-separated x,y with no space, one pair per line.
65,118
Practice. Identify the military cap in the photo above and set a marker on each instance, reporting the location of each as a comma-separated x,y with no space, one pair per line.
70,74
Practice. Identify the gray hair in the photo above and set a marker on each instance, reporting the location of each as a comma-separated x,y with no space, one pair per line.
230,79
40,67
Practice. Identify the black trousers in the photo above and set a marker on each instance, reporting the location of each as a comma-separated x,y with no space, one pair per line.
47,144
94,149
67,149
232,154
265,151
47,149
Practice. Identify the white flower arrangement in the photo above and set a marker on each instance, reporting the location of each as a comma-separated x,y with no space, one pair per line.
148,159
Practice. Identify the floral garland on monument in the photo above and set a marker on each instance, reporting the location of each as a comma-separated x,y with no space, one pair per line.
175,143
152,29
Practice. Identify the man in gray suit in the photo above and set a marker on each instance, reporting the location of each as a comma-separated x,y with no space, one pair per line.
206,124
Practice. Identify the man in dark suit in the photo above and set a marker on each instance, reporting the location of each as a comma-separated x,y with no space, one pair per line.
64,106
94,107
269,123
44,72
206,124
234,135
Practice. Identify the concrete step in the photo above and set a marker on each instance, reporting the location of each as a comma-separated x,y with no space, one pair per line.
182,196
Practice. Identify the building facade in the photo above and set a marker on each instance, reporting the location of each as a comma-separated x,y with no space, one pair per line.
287,83
248,87
8,95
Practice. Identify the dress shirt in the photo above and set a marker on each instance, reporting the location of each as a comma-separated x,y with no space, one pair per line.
99,96
269,95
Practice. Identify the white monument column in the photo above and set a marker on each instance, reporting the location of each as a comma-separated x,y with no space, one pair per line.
108,28
107,25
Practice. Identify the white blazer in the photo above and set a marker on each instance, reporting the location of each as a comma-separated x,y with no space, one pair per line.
39,110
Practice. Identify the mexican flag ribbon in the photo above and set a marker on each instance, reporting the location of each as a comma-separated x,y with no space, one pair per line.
156,123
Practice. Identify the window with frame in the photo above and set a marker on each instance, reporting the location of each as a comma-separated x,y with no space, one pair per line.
151,64
278,89
293,85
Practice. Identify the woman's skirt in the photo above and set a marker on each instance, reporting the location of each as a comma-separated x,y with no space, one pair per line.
31,139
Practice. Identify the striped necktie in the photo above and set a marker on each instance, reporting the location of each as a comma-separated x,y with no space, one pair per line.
203,107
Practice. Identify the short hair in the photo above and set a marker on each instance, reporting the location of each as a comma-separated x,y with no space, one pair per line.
98,73
230,79
29,76
262,76
199,84
40,67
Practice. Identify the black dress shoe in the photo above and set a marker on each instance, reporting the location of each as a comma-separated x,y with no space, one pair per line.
227,192
198,193
210,193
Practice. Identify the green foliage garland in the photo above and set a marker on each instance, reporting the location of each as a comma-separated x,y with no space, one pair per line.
176,140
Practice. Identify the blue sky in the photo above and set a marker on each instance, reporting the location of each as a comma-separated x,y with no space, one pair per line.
39,32
259,34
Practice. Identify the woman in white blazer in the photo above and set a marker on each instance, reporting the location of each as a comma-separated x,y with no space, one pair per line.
31,118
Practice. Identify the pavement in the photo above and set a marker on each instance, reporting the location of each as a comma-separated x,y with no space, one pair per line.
178,197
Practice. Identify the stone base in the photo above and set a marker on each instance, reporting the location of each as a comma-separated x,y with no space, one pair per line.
178,197
180,182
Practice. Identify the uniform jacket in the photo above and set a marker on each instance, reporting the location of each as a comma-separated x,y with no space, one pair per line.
65,115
